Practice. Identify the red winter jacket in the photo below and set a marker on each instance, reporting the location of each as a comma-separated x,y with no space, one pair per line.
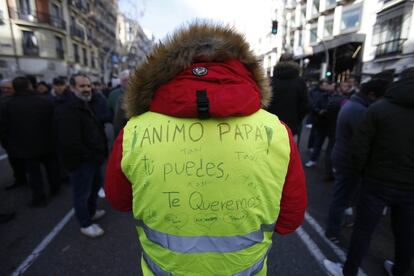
231,91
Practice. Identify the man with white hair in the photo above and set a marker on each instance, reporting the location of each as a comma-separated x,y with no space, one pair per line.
113,98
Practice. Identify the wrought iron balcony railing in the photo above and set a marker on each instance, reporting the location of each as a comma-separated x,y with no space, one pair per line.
77,32
80,5
38,17
60,53
390,47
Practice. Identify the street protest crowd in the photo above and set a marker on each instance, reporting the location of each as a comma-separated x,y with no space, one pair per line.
367,130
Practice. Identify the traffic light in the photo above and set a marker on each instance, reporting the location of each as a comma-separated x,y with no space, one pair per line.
274,26
328,73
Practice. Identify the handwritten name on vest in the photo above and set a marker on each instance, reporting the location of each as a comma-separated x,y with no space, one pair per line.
194,132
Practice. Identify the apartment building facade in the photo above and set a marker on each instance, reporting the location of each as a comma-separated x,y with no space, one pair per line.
49,38
134,44
339,39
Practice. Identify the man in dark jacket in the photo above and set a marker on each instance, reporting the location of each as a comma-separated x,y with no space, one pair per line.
322,112
383,153
18,166
346,180
290,98
26,126
82,143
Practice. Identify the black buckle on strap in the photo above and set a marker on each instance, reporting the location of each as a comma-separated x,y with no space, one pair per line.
203,104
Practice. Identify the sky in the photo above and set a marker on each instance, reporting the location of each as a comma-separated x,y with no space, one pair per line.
161,17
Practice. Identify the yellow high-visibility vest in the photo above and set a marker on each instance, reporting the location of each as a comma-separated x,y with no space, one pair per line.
206,193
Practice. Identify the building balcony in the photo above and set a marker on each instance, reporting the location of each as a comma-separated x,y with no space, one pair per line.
60,53
77,32
389,48
38,17
78,4
31,51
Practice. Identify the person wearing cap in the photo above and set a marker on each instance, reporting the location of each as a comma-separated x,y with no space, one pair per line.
209,175
59,86
43,88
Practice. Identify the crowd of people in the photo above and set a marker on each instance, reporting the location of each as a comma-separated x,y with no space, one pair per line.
60,127
369,153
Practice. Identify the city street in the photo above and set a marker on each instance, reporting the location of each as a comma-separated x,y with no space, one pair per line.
47,241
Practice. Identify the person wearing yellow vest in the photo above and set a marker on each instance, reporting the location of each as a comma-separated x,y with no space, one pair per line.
209,175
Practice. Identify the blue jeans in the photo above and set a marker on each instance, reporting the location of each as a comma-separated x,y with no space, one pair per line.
86,181
346,184
374,197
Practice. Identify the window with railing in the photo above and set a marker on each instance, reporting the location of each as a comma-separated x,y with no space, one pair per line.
56,17
328,27
24,12
76,52
315,7
29,43
85,56
77,31
25,7
303,15
1,18
60,51
351,18
93,59
314,33
387,37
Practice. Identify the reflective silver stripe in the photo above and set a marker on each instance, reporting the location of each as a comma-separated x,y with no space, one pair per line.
254,269
158,271
204,244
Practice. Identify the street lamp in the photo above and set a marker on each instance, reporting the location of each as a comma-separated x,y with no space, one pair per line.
325,65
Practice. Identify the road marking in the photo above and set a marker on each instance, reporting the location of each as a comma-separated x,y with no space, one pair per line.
338,251
312,247
4,156
38,250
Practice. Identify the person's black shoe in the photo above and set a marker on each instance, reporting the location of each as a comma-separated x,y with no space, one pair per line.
7,217
333,238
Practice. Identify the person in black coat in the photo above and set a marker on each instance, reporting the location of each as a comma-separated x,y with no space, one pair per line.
27,127
346,180
290,94
383,154
17,165
83,145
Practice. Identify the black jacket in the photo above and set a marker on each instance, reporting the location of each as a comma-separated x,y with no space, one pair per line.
290,98
26,125
81,137
383,145
349,118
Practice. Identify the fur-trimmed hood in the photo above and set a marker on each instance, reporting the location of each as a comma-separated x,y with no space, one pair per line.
197,43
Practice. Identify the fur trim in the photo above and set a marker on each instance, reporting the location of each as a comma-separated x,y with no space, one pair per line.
199,42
